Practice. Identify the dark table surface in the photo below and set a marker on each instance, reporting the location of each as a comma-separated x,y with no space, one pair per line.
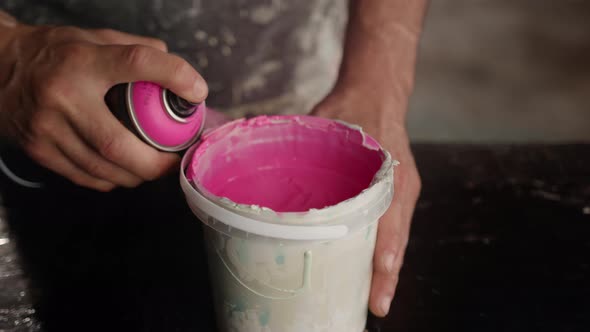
500,242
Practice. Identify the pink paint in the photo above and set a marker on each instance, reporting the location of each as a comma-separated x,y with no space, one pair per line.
286,163
157,124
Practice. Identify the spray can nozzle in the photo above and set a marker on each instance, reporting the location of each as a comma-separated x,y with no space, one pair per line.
179,108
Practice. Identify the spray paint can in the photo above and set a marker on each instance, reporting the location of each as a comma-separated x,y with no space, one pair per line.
157,115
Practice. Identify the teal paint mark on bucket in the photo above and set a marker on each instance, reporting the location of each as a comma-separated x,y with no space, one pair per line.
280,259
242,252
264,318
238,306
369,229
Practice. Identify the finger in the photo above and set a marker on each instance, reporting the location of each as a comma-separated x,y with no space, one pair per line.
141,63
114,142
78,151
52,158
108,36
392,238
388,258
382,291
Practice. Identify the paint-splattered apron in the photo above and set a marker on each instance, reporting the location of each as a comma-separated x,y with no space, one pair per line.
258,56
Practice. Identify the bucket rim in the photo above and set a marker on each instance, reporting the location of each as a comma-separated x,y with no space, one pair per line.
331,222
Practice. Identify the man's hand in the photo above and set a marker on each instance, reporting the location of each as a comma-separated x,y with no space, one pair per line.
52,86
375,82
394,226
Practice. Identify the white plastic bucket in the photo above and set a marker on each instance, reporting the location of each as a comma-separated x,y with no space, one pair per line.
305,271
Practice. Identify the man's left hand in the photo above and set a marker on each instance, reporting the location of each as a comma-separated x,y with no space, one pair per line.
379,120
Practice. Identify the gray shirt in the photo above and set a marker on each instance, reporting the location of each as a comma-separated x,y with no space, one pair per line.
258,56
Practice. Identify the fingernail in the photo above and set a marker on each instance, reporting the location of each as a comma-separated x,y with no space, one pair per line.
200,88
385,303
388,260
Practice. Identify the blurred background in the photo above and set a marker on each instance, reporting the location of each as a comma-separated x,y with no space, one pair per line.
489,71
503,71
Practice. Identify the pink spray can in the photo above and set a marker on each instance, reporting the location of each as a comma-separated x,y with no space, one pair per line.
157,115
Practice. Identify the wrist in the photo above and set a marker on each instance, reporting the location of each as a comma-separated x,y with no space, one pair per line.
369,99
376,116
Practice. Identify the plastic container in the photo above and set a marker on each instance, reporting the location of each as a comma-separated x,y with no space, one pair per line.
299,267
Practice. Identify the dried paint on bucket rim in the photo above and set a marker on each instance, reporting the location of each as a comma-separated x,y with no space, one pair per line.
312,137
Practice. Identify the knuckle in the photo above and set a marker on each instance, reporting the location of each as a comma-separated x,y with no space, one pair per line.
158,168
417,180
43,35
94,168
136,56
106,33
77,54
109,147
40,125
68,31
158,43
37,152
109,36
132,183
49,92
62,33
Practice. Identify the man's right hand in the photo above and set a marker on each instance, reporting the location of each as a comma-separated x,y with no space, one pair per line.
52,86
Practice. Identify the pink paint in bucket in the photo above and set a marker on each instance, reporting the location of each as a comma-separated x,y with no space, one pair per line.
291,204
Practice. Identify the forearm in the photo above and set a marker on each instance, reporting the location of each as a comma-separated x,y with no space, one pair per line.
380,50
